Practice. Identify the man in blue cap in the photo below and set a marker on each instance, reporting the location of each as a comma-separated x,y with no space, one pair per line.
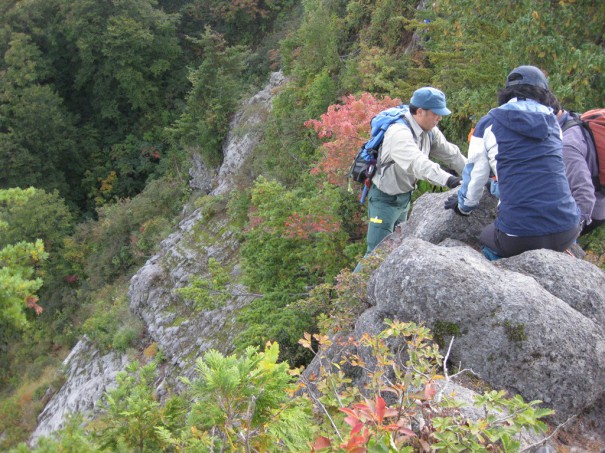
404,158
520,144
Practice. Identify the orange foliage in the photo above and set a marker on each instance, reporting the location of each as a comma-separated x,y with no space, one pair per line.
301,227
346,127
32,302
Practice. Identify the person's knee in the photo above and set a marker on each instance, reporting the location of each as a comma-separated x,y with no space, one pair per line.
375,236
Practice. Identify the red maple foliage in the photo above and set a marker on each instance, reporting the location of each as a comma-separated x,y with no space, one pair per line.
302,226
345,127
71,278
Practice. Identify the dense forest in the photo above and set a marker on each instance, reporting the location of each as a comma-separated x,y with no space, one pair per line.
104,103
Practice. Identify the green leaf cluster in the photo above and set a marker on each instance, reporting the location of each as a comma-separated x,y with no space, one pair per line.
19,260
247,399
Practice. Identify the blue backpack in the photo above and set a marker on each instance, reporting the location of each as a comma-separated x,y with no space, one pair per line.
364,165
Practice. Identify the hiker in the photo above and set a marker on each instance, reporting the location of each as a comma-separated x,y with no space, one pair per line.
581,168
520,143
404,159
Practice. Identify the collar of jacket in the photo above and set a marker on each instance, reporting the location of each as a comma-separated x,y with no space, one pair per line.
416,129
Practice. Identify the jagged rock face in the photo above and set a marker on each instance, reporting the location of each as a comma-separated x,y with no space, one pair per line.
245,132
89,375
181,332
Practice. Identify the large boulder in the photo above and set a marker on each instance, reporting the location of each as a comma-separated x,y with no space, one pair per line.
512,331
533,324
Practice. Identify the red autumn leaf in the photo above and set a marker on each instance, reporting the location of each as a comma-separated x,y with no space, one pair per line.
348,411
381,406
429,390
355,424
347,127
321,442
356,443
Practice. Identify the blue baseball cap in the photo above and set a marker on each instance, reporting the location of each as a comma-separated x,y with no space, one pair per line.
527,75
429,98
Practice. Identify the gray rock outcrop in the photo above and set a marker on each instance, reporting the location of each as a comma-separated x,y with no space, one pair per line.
182,331
533,324
89,374
245,132
513,332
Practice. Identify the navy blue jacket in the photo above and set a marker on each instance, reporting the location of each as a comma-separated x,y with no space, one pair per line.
520,143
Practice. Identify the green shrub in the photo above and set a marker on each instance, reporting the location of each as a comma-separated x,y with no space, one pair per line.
238,207
125,233
71,439
294,242
271,318
127,336
132,414
401,408
210,292
593,244
21,408
110,324
335,307
250,402
243,403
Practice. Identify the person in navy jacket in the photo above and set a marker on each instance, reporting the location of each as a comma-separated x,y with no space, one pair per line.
519,145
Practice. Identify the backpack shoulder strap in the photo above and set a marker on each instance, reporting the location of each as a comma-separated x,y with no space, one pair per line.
407,123
401,119
574,120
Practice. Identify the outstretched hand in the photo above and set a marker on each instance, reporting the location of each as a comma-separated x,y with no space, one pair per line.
452,203
453,181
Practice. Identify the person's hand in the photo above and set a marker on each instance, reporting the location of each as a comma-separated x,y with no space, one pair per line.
453,181
452,203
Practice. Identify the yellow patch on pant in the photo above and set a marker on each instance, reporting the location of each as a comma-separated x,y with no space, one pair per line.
375,220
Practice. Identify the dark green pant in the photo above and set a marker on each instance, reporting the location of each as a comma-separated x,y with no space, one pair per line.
385,212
